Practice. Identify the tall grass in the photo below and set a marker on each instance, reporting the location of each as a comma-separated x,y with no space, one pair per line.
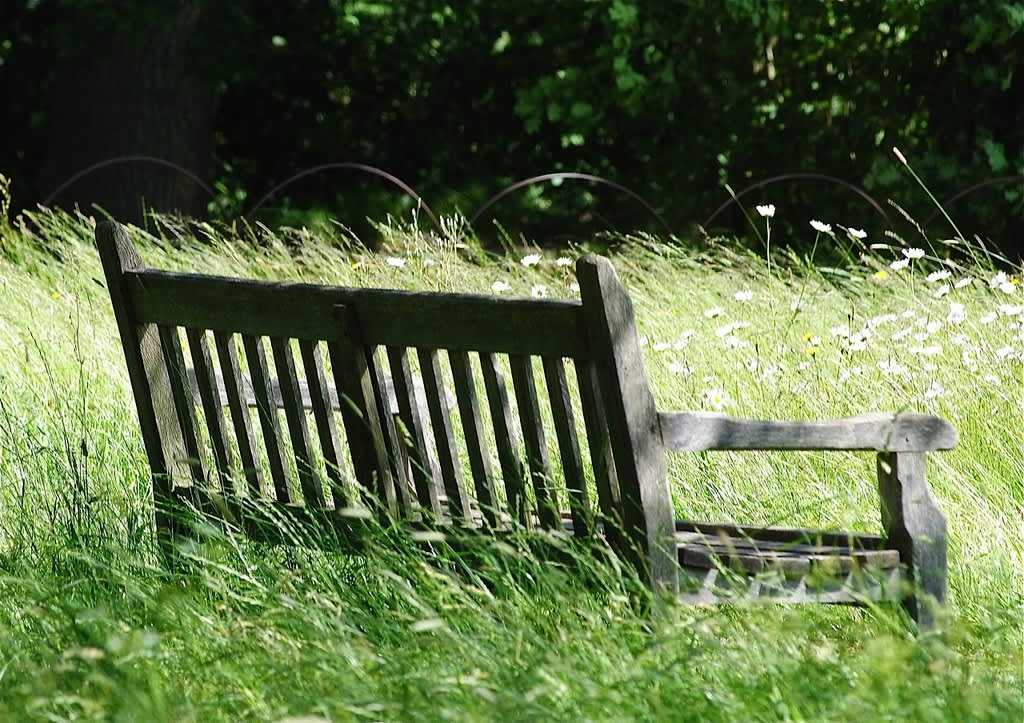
92,627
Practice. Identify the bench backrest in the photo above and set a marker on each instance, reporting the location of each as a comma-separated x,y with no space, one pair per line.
594,394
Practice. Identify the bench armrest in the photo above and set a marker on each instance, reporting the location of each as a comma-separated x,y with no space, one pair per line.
699,431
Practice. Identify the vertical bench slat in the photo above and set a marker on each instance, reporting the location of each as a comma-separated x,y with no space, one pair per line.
596,426
362,424
323,415
441,423
354,372
412,417
230,367
394,445
182,395
266,409
568,446
472,427
209,394
290,389
504,437
298,430
533,436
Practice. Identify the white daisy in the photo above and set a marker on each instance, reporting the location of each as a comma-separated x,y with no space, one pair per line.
716,399
729,328
530,260
890,367
767,210
956,315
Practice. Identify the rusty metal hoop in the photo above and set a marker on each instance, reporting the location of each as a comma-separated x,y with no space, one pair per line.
129,159
373,170
572,177
971,189
799,177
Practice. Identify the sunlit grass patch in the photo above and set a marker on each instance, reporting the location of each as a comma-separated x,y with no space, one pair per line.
92,626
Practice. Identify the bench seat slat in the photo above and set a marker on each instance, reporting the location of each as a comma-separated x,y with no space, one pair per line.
715,586
787,535
386,318
754,556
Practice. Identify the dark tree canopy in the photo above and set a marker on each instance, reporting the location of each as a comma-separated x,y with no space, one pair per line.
672,99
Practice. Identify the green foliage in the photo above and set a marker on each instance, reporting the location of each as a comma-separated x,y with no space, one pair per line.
673,99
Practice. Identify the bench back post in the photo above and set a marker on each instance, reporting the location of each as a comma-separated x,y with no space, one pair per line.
149,376
648,518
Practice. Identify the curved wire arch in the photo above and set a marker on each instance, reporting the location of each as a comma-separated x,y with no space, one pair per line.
372,170
129,159
971,189
799,177
572,177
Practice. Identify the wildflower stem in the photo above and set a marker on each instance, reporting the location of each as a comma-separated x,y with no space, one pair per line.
746,215
934,200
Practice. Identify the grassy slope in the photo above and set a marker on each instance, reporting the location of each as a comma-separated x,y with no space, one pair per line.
90,628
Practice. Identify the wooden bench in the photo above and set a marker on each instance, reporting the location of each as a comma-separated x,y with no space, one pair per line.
587,457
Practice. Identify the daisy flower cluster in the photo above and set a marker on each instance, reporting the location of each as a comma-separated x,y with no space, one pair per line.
539,277
938,327
534,274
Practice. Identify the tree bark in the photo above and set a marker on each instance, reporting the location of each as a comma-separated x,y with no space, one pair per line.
131,93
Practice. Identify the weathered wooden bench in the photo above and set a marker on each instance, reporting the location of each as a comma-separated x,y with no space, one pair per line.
576,368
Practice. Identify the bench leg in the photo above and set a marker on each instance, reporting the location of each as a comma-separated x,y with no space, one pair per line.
916,527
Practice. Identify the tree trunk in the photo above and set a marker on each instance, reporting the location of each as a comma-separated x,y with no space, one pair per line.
131,94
